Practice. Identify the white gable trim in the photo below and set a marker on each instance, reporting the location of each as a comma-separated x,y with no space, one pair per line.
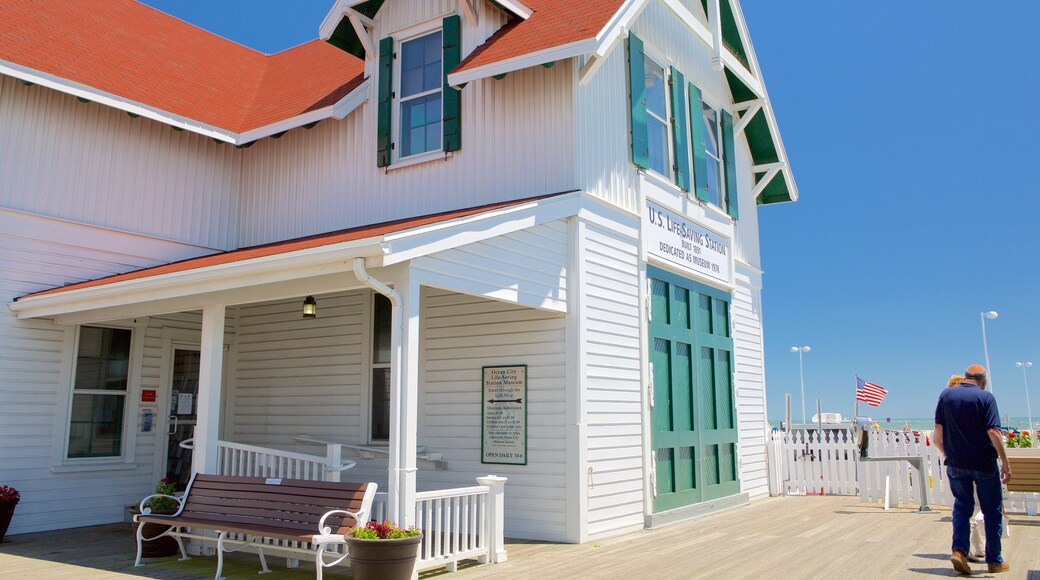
338,110
516,8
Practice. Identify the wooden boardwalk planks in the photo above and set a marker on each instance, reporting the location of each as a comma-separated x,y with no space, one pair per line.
791,538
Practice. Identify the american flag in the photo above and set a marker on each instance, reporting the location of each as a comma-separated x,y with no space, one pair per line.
870,393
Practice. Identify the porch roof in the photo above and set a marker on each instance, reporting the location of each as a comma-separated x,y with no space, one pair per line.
382,244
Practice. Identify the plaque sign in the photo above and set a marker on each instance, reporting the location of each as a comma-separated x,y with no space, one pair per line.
677,240
504,420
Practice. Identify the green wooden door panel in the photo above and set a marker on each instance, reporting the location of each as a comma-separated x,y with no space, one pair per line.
693,420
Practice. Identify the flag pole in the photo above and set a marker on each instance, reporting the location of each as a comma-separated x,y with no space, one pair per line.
855,412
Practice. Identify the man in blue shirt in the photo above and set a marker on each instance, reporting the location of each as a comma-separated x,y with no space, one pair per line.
967,432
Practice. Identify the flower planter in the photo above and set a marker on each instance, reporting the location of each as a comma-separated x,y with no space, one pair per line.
6,513
383,559
160,547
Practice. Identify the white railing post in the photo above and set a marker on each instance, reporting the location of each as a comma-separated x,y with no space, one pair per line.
496,506
333,458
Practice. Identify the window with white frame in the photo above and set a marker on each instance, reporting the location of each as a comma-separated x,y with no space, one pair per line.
379,419
657,115
716,161
420,85
99,393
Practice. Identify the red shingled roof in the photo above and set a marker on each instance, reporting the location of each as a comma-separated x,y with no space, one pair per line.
143,55
284,247
554,23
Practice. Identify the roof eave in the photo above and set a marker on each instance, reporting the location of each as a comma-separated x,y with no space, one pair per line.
555,53
338,110
189,289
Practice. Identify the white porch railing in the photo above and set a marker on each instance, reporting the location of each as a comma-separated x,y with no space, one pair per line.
457,524
796,468
253,461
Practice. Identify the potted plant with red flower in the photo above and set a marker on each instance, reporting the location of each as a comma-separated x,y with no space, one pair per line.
9,498
383,551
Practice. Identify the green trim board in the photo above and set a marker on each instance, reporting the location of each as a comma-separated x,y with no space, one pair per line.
693,414
730,158
384,107
637,102
503,419
681,167
450,96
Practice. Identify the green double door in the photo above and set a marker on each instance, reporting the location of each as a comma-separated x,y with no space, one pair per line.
693,418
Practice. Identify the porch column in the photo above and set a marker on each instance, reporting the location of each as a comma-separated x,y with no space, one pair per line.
404,403
211,361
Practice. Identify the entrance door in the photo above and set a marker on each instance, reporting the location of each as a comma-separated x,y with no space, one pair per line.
693,420
184,394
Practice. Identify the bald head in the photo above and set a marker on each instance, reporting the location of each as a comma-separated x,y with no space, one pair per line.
976,374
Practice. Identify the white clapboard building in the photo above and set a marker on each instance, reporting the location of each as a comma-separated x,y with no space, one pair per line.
525,231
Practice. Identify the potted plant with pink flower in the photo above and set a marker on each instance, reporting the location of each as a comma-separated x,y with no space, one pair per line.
383,551
9,497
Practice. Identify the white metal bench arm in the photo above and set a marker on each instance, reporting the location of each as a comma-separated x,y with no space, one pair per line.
148,510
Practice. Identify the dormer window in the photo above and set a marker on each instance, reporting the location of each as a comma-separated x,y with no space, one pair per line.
420,86
418,112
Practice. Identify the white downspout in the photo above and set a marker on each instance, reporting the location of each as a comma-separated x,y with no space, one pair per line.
397,511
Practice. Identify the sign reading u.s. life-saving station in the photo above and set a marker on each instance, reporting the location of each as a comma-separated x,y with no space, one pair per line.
693,248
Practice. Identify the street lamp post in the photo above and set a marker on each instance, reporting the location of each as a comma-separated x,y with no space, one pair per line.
990,314
801,375
1029,410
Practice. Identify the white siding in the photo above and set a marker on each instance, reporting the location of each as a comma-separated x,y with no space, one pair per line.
527,267
603,157
296,375
92,164
35,254
516,143
460,335
612,375
750,382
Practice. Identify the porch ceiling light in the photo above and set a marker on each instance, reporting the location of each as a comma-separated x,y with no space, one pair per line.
310,308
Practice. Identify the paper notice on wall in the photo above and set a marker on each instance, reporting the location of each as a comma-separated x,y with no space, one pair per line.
185,403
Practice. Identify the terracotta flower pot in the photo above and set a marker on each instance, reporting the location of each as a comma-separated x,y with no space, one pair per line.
383,559
6,513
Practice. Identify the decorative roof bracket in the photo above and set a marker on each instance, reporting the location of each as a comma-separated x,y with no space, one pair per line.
762,183
361,24
748,110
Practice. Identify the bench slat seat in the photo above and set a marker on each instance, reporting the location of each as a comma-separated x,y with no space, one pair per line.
1025,473
256,507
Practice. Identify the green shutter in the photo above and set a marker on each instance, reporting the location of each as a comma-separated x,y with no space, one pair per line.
386,83
452,124
637,101
731,165
699,134
677,83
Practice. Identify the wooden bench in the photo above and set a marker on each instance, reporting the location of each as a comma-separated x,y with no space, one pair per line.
315,513
1025,472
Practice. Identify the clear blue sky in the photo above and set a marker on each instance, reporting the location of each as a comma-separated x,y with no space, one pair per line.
911,128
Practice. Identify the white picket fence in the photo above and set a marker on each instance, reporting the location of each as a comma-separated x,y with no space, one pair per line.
803,462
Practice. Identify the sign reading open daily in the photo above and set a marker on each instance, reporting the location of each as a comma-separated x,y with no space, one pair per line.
679,241
505,415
